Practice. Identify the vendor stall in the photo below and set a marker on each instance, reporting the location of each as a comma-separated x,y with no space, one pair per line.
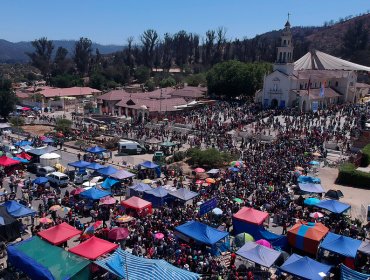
138,205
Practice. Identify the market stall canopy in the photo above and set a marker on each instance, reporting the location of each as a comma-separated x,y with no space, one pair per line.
127,266
258,254
6,161
24,155
305,267
79,164
96,150
42,151
184,194
60,233
311,201
342,245
251,216
307,236
349,274
121,175
108,183
21,160
365,248
18,210
309,179
157,192
93,248
50,156
141,187
333,206
106,171
137,203
94,194
148,164
311,188
22,143
9,229
95,166
201,232
43,261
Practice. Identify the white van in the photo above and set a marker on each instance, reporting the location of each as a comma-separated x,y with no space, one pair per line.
43,171
58,179
130,147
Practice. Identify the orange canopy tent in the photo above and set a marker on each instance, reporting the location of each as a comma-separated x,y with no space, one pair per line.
307,236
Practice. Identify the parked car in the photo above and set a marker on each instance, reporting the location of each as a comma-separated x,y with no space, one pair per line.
81,177
58,179
94,182
43,171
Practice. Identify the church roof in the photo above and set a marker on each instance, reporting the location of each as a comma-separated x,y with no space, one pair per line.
316,60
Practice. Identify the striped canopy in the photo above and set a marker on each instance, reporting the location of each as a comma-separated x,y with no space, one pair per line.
128,266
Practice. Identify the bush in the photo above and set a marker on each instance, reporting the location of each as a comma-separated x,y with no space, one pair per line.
208,158
178,156
365,160
63,125
348,175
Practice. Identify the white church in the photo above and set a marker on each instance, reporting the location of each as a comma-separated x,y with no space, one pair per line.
314,81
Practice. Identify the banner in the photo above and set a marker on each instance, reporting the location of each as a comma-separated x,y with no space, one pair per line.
315,106
207,206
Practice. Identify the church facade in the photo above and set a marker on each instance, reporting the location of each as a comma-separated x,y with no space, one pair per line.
315,81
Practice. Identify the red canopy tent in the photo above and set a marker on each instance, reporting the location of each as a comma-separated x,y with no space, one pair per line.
6,161
307,236
24,155
59,234
93,248
250,215
138,204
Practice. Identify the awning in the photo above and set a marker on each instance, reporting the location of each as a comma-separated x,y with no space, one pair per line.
341,245
94,194
122,174
93,248
148,164
251,216
60,233
106,171
18,210
258,254
79,164
311,187
183,194
6,161
333,206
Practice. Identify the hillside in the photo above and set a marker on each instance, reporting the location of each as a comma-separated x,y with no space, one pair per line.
15,52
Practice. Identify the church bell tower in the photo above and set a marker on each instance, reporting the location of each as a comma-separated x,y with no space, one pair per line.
284,60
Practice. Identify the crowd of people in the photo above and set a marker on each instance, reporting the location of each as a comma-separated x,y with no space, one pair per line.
265,180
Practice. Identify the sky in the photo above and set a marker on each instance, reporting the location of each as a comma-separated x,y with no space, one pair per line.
113,21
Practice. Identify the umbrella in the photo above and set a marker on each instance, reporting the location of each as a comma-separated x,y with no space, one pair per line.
234,169
316,215
199,170
334,194
124,219
77,191
299,168
238,200
65,209
243,238
89,231
55,207
314,162
45,220
159,235
217,211
297,173
147,181
40,180
236,163
311,201
118,233
108,200
210,180
199,182
316,154
264,242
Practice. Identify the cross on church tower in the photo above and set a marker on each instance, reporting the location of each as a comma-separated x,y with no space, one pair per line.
289,14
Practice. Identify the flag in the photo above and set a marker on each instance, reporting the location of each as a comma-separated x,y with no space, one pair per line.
322,89
309,85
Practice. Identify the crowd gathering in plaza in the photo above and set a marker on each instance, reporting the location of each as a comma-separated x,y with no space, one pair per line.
265,179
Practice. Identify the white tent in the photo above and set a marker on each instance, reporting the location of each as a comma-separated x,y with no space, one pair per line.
316,60
49,159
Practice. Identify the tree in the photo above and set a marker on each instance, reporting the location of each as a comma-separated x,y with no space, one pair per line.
61,63
356,37
41,57
8,99
196,80
142,74
16,121
168,82
63,125
149,40
82,55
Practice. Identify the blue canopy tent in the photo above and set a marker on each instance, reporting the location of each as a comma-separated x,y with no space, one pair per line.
106,171
258,254
311,187
108,183
305,268
22,160
79,164
157,196
341,245
184,194
96,150
148,164
94,194
18,210
127,266
333,206
122,174
205,235
308,179
138,189
349,274
95,166
40,180
314,162
234,169
311,201
48,140
22,143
